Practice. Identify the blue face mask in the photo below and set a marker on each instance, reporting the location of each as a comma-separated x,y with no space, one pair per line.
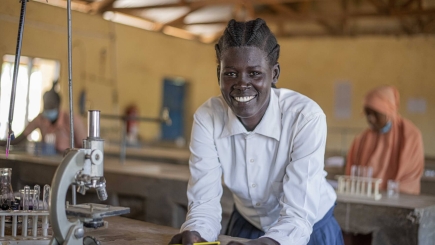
50,114
386,128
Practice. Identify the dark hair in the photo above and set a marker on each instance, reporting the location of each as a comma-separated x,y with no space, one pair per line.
52,94
251,33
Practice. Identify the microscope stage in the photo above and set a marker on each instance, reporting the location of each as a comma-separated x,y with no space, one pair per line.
95,211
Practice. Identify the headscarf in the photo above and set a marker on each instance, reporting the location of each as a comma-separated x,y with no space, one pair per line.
385,99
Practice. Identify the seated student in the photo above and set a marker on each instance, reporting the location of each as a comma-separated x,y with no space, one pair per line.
268,147
55,121
392,145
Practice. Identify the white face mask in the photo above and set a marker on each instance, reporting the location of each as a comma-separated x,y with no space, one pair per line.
51,114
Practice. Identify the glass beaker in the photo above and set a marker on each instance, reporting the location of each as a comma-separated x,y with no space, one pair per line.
7,194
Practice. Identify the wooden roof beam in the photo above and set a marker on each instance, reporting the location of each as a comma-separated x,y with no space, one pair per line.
206,3
430,25
180,20
283,9
100,7
335,17
380,6
76,5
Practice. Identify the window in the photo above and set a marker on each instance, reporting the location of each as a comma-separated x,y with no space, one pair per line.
35,77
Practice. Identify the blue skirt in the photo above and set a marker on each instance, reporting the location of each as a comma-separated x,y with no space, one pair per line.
325,232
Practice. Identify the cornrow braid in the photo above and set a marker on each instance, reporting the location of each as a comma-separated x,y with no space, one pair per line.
251,33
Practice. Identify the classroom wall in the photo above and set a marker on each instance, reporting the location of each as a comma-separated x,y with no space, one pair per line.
118,65
315,66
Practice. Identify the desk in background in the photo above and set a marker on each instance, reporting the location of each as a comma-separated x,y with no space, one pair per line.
407,220
150,153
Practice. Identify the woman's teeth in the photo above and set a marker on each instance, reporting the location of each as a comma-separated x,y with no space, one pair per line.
244,99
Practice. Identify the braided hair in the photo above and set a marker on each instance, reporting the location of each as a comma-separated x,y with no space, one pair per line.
251,33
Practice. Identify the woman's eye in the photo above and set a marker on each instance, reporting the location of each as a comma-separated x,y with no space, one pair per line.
230,74
254,73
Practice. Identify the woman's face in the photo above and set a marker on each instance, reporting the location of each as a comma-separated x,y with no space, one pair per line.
375,119
245,80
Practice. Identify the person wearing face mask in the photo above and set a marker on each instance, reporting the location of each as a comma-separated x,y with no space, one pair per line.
392,146
266,144
54,122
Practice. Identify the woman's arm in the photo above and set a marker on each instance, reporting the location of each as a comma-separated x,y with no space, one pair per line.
205,184
34,124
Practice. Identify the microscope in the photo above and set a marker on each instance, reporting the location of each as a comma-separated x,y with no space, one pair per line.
83,168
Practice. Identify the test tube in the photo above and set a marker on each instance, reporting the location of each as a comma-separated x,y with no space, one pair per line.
36,191
26,207
369,172
341,184
26,198
46,197
353,170
44,225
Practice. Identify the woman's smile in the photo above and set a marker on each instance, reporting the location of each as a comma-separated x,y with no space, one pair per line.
244,99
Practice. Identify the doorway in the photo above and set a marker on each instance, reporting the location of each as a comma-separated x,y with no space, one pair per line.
174,96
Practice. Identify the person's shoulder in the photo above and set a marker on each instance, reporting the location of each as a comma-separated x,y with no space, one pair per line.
409,128
214,106
293,102
367,132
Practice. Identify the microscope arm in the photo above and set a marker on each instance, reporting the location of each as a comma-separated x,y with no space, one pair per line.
65,176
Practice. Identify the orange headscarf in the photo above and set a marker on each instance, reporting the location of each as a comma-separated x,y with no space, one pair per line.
398,154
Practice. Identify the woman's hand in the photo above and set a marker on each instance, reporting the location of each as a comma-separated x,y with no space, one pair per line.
187,238
259,241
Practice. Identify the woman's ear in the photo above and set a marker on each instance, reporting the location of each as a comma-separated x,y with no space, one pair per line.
218,71
275,71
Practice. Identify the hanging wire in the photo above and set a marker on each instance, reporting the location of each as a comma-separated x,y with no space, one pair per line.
11,135
70,91
70,87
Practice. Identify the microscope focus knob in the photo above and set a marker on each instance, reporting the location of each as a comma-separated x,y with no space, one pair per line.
79,233
96,157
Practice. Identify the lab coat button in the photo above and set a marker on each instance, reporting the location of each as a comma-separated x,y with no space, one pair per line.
252,160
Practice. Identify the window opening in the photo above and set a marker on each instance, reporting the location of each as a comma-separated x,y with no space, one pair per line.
35,77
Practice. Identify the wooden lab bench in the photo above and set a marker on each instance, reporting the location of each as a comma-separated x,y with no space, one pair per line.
133,232
161,188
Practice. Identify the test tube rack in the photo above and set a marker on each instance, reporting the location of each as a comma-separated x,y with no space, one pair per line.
361,187
34,218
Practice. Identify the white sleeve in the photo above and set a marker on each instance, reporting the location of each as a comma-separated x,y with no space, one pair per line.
204,190
302,184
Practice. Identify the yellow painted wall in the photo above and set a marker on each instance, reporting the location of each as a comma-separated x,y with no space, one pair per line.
111,58
314,66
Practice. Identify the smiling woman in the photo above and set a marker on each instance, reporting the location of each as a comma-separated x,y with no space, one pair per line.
266,144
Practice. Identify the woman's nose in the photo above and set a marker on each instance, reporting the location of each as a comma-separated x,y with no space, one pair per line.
243,83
